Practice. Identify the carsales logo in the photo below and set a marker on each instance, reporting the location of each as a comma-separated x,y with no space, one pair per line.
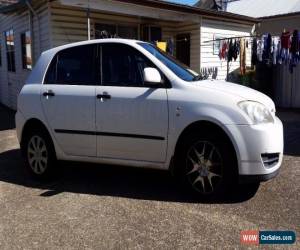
250,237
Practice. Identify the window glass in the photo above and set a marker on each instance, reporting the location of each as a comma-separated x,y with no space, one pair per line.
176,67
10,50
108,30
113,30
74,66
127,32
123,65
151,34
26,50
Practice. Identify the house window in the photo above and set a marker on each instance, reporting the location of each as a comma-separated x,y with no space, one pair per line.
26,50
113,30
152,33
10,50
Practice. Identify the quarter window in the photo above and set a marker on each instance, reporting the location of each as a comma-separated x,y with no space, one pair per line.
26,50
123,65
10,50
74,66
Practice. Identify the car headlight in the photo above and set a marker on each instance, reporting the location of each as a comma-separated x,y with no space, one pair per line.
257,112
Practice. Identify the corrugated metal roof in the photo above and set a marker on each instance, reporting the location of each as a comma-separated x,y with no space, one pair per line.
263,8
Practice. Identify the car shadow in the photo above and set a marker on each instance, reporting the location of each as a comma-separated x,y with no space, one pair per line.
116,181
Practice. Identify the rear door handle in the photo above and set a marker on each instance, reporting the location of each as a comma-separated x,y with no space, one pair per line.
104,96
48,93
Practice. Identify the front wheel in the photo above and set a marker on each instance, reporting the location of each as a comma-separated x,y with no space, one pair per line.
208,165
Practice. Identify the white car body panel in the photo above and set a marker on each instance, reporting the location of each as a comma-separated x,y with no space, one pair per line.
141,111
132,111
72,108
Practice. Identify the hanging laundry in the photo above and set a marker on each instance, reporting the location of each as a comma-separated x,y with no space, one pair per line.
230,51
278,56
260,49
236,49
243,56
170,46
267,51
285,46
275,49
223,50
295,50
254,57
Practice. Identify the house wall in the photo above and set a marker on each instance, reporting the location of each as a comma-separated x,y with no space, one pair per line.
12,82
209,30
69,24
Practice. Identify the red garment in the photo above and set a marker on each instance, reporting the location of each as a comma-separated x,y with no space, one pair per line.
223,50
286,40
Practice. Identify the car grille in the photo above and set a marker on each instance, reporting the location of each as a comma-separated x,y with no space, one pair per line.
270,160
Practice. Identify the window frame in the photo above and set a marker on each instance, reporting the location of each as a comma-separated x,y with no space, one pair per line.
23,37
165,83
10,52
55,60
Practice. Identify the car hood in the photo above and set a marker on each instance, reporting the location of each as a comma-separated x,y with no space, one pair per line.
243,92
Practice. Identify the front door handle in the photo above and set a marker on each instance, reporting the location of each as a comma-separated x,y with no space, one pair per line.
104,96
48,93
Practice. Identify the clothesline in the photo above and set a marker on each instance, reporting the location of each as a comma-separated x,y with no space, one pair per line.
237,37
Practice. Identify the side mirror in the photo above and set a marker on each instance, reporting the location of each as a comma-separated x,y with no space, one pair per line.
152,76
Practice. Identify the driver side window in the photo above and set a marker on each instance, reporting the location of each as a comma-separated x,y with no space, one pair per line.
123,66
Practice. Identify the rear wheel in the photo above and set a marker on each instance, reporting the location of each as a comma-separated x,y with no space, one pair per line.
39,154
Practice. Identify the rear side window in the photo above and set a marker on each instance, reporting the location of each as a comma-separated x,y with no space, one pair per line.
74,66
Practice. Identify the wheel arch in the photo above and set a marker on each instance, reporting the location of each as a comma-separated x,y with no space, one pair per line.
31,125
205,126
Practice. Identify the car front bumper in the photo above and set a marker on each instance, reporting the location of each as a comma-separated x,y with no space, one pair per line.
259,150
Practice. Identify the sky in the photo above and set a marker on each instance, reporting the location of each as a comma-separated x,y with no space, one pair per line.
190,2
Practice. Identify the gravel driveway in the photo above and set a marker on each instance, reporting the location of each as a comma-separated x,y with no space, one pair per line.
100,207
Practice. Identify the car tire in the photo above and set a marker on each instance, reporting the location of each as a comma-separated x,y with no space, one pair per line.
39,154
207,165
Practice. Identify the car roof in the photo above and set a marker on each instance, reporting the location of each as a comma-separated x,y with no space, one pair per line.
94,41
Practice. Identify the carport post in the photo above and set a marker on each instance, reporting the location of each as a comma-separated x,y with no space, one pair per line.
89,21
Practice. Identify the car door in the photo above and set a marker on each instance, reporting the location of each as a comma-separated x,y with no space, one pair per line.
68,98
131,118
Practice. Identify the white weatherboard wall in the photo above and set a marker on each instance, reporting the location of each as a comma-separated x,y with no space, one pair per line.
69,24
12,82
209,30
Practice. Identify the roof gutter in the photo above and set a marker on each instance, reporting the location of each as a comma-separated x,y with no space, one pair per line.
13,7
293,14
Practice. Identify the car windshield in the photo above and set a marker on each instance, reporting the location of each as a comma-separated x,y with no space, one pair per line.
179,69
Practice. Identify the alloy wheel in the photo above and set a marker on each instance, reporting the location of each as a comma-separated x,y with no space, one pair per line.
37,155
204,167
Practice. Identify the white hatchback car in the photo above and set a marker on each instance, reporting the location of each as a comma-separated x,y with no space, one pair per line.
125,102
